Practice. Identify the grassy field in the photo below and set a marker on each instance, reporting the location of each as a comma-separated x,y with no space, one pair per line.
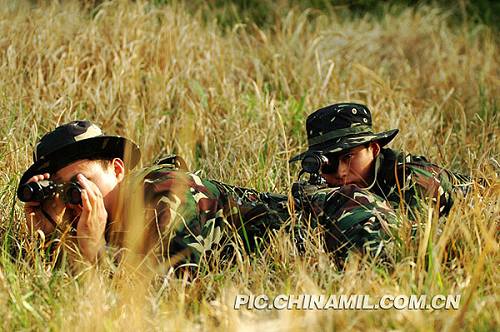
232,100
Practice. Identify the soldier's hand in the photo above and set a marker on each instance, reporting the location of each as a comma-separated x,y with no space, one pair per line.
92,222
46,215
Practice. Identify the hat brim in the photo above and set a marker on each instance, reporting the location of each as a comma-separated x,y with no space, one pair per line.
349,142
95,147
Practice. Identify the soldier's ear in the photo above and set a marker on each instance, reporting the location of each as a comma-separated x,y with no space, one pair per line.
119,169
375,149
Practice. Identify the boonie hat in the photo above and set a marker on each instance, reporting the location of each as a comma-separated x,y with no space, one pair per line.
340,127
78,140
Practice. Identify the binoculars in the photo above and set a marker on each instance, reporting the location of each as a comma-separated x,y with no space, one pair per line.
39,191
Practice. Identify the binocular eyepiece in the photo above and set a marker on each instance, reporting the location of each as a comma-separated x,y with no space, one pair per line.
39,191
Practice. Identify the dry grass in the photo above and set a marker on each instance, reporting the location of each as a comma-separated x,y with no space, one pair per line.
234,104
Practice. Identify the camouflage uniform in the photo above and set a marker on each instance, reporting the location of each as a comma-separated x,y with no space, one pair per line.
400,181
352,219
408,181
187,217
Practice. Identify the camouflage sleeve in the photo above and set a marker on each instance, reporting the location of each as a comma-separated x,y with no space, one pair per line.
422,181
353,218
184,216
252,214
195,216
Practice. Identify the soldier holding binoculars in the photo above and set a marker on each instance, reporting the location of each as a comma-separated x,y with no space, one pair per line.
73,182
82,181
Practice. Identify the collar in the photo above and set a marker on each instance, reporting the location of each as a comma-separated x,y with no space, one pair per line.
378,161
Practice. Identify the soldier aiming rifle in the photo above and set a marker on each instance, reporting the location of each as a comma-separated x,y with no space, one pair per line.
346,159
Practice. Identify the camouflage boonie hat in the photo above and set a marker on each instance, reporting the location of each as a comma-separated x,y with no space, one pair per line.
78,140
340,127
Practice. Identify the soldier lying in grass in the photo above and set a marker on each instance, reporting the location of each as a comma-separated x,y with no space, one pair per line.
82,185
344,152
180,215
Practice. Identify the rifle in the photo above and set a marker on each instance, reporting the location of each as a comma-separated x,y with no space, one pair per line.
311,164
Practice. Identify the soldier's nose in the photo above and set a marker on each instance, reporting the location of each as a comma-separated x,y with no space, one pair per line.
342,170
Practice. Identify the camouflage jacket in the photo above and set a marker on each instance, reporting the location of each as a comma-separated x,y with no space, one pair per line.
351,217
366,218
406,181
187,218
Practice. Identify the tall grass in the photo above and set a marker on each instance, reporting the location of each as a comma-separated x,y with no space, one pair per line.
233,103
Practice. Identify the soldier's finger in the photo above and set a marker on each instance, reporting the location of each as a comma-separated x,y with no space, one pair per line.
38,177
93,191
86,206
31,204
34,178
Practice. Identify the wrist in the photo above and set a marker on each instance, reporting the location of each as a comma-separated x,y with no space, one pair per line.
92,250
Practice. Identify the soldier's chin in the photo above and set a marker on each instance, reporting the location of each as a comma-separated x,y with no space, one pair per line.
73,214
339,183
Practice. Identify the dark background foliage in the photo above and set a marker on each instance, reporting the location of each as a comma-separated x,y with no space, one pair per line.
263,13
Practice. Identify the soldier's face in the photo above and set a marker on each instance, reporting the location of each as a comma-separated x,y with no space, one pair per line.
105,178
354,167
